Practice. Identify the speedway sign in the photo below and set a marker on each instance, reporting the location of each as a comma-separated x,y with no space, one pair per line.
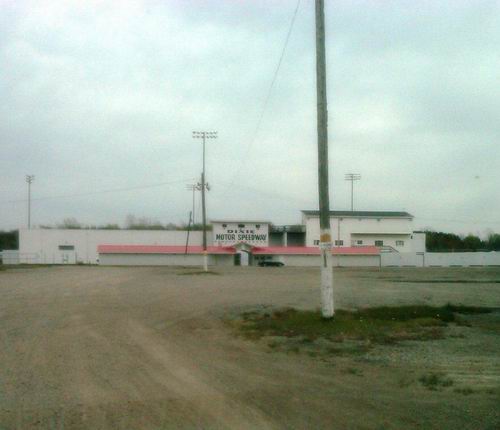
228,233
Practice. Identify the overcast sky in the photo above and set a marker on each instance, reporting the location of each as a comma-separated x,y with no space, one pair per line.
104,95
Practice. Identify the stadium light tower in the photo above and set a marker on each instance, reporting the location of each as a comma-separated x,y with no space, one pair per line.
29,180
352,177
204,135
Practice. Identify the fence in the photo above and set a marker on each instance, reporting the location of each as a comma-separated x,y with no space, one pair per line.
440,259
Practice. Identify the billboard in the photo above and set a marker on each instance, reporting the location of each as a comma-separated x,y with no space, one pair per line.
228,233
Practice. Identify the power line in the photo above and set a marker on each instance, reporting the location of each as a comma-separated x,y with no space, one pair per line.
113,190
271,195
268,97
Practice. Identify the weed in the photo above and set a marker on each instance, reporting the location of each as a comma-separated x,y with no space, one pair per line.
383,325
465,391
434,381
199,272
353,371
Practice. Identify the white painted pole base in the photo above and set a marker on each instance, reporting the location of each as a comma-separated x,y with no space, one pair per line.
327,309
205,261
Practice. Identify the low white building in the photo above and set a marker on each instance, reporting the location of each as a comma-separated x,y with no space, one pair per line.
390,231
66,246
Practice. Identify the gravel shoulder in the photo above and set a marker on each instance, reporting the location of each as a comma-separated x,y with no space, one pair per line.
147,348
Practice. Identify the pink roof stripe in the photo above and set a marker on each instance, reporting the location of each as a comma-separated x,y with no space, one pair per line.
268,250
162,249
314,250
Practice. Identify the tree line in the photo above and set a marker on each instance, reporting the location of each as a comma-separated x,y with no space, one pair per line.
131,223
449,242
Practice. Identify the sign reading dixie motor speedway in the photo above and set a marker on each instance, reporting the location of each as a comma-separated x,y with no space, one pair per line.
231,233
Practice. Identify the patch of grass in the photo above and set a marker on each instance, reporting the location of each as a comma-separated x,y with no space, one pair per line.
198,272
353,371
446,281
433,381
382,325
465,391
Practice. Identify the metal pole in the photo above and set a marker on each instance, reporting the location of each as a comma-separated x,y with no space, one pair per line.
327,308
29,205
29,180
352,195
205,256
194,192
352,177
204,215
187,237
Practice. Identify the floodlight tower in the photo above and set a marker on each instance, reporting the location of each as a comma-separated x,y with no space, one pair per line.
29,180
352,177
204,135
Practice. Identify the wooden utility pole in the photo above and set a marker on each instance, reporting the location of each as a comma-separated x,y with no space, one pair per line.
325,242
204,135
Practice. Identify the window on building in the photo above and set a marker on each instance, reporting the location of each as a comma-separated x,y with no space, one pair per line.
316,242
257,226
359,242
66,248
224,225
400,243
339,242
241,225
379,243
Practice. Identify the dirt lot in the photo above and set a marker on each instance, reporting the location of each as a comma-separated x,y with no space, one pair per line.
147,348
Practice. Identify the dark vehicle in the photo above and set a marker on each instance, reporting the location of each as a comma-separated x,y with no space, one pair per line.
268,263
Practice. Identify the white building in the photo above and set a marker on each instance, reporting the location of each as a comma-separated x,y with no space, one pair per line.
358,237
66,246
390,231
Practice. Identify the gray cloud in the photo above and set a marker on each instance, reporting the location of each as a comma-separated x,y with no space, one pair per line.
100,96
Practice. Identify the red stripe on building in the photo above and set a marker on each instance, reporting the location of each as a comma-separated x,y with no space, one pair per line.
162,249
267,250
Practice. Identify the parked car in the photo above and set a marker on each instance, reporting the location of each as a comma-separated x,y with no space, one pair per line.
269,263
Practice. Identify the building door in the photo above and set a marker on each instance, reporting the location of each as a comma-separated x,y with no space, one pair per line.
237,259
67,257
244,258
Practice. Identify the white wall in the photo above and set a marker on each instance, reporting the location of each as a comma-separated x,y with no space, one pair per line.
10,257
164,260
441,259
45,242
418,242
388,239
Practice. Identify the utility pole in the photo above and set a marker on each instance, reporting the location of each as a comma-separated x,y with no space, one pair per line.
352,177
189,229
325,242
203,185
193,188
29,180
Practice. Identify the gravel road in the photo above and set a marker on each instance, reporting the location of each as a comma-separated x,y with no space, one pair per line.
146,348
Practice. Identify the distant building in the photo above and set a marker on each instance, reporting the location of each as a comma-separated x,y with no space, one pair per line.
359,237
389,231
